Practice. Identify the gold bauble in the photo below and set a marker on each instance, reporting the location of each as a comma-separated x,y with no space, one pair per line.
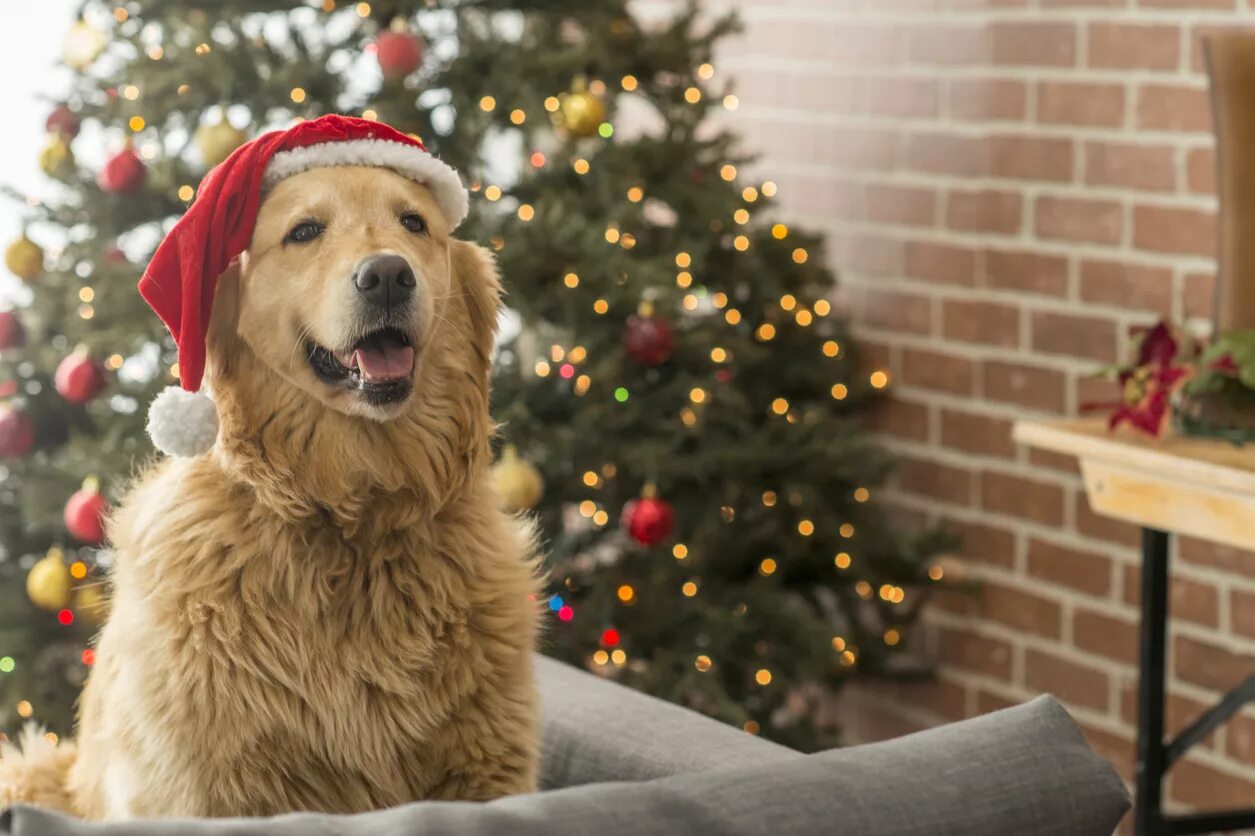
56,160
25,259
48,582
216,142
581,113
91,603
82,44
516,481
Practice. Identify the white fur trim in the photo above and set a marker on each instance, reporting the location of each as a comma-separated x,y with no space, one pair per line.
406,160
182,423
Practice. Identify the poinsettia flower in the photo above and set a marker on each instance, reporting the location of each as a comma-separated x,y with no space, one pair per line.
1146,397
1225,365
1158,346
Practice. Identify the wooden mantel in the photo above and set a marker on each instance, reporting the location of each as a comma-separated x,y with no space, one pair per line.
1200,487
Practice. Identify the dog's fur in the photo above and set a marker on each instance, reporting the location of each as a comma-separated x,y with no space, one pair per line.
329,611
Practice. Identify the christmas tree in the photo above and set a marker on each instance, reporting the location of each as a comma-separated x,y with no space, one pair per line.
682,408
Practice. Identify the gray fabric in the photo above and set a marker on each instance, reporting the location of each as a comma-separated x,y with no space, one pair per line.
596,730
1025,771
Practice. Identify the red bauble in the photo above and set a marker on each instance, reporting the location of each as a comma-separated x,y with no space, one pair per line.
12,334
399,54
17,432
648,520
63,121
124,173
79,378
85,516
648,339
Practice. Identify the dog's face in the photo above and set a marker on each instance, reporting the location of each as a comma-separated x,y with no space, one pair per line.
348,274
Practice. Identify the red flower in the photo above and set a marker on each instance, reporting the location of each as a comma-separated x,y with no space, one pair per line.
1225,365
1147,386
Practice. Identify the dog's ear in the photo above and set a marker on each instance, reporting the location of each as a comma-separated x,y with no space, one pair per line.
220,349
476,281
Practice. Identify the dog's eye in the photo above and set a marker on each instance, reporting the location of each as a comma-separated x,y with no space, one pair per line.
413,222
304,232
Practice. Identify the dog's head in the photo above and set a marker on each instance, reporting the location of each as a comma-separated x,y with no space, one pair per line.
353,291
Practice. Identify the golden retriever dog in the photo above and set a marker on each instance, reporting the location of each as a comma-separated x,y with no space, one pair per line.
330,610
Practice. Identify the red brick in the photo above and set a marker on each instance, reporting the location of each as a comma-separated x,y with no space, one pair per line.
1164,229
984,543
1192,783
1083,570
944,263
1165,107
1209,665
1131,46
935,480
1028,386
1033,44
963,45
1200,295
1130,166
936,153
975,321
1069,681
1127,286
1242,612
934,370
971,651
1080,103
906,97
1103,635
947,701
1021,611
870,254
988,99
1116,748
1179,711
1090,524
1079,219
1200,171
1188,5
971,432
901,205
894,311
987,210
1075,336
1029,499
904,419
1028,272
987,701
1030,158
1053,461
1240,738
1189,599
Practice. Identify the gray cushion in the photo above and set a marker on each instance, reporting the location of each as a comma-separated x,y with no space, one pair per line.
1025,770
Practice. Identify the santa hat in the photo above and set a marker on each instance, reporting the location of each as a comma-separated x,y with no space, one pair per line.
180,280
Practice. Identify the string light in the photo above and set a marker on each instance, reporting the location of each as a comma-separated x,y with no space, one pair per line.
612,235
847,658
601,306
621,394
605,130
597,87
697,394
864,589
591,478
936,572
518,116
706,71
601,518
831,348
7,664
823,307
731,102
780,406
577,354
542,368
839,391
879,379
718,355
619,657
492,193
136,123
363,10
846,530
741,243
582,383
526,212
120,14
733,316
769,498
130,92
86,294
768,188
78,570
806,528
838,643
628,83
627,241
741,216
749,194
537,159
750,727
862,494
728,172
763,677
767,567
601,657
580,166
25,709
688,417
203,49
571,280
804,318
552,104
689,589
799,256
842,560
684,278
683,260
719,300
690,302
679,551
488,104
692,95
86,311
297,95
186,193
155,52
702,663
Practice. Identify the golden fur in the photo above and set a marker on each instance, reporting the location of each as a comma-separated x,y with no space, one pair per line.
329,611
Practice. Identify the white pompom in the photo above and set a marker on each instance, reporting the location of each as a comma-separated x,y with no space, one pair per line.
182,423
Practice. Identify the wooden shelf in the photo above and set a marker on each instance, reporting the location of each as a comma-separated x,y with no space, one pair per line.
1193,486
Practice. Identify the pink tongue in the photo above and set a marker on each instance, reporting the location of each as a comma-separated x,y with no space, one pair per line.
384,363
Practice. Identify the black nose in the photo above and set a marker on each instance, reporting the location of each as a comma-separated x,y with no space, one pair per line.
385,281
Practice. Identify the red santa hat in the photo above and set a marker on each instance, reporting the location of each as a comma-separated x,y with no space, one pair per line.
180,280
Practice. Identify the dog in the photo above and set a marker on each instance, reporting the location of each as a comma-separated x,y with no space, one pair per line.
330,611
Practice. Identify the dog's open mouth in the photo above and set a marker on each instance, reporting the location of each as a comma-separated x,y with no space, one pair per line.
380,365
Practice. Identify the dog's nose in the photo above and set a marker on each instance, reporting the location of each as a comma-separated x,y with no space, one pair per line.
385,280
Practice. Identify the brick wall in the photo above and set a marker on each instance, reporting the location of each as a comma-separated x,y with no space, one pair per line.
1008,186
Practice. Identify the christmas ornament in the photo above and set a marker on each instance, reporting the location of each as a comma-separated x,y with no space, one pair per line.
63,122
219,224
517,481
182,423
91,604
399,51
82,44
216,142
48,582
85,514
124,173
648,520
25,259
12,334
580,112
79,378
647,337
17,432
57,160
